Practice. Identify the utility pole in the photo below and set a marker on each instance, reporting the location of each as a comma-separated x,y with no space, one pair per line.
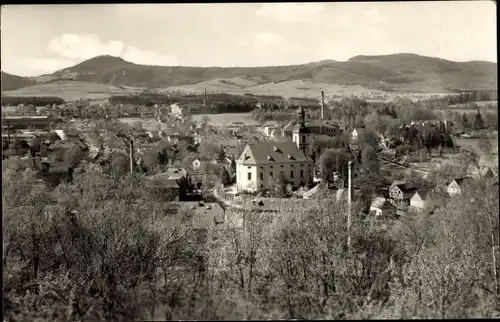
349,205
322,105
130,142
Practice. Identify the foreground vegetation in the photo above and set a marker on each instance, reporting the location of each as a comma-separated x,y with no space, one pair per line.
101,253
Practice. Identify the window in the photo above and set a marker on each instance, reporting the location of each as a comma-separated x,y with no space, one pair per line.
302,165
271,174
282,166
262,176
249,176
249,167
303,138
291,174
271,167
301,173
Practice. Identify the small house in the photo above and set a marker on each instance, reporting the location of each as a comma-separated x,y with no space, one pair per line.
196,164
382,207
455,186
400,192
418,200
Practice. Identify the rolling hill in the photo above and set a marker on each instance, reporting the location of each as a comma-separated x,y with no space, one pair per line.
12,82
397,72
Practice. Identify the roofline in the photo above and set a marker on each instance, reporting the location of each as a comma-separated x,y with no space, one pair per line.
272,163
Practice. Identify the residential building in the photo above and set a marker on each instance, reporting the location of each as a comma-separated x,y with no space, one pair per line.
401,192
455,186
382,207
29,122
263,160
177,110
170,185
196,164
418,200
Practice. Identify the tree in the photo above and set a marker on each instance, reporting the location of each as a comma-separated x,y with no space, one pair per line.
369,159
35,145
163,157
478,121
224,176
465,121
333,160
369,137
73,156
423,154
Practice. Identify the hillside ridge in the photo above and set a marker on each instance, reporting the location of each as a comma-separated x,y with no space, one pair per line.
370,71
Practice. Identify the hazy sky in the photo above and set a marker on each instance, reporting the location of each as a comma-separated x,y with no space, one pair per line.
39,39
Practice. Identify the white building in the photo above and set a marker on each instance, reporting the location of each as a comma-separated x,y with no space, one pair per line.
177,110
264,160
382,207
455,187
418,200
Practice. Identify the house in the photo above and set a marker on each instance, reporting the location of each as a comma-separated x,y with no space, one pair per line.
170,185
484,173
263,160
287,130
53,172
177,110
26,122
196,164
455,186
418,200
324,191
382,207
400,192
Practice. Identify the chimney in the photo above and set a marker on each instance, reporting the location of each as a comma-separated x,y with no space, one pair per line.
322,105
349,202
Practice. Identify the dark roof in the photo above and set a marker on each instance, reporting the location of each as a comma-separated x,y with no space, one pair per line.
204,215
459,181
272,152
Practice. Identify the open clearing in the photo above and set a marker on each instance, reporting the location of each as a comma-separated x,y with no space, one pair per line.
71,90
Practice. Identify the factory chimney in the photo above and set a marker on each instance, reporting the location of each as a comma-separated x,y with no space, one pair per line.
349,204
322,105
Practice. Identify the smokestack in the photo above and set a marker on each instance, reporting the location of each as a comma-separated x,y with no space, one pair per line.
322,105
349,202
131,156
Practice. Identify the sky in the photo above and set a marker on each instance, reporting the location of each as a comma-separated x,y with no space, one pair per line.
40,39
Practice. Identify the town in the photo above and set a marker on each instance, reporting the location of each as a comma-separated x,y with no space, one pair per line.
152,202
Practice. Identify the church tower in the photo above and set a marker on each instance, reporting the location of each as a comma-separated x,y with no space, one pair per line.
301,134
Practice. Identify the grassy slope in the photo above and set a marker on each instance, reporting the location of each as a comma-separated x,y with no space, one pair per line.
12,82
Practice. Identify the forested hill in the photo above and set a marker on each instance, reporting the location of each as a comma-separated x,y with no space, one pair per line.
390,71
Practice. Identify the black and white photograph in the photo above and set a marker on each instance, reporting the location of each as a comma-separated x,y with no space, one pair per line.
250,161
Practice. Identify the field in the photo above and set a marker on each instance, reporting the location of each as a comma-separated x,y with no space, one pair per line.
71,90
99,93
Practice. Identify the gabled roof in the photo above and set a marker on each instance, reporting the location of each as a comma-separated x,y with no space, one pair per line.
381,203
264,152
423,194
459,181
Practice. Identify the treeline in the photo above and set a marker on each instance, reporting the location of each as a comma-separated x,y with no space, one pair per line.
31,100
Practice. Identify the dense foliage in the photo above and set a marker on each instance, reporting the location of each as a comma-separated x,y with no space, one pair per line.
114,259
31,100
